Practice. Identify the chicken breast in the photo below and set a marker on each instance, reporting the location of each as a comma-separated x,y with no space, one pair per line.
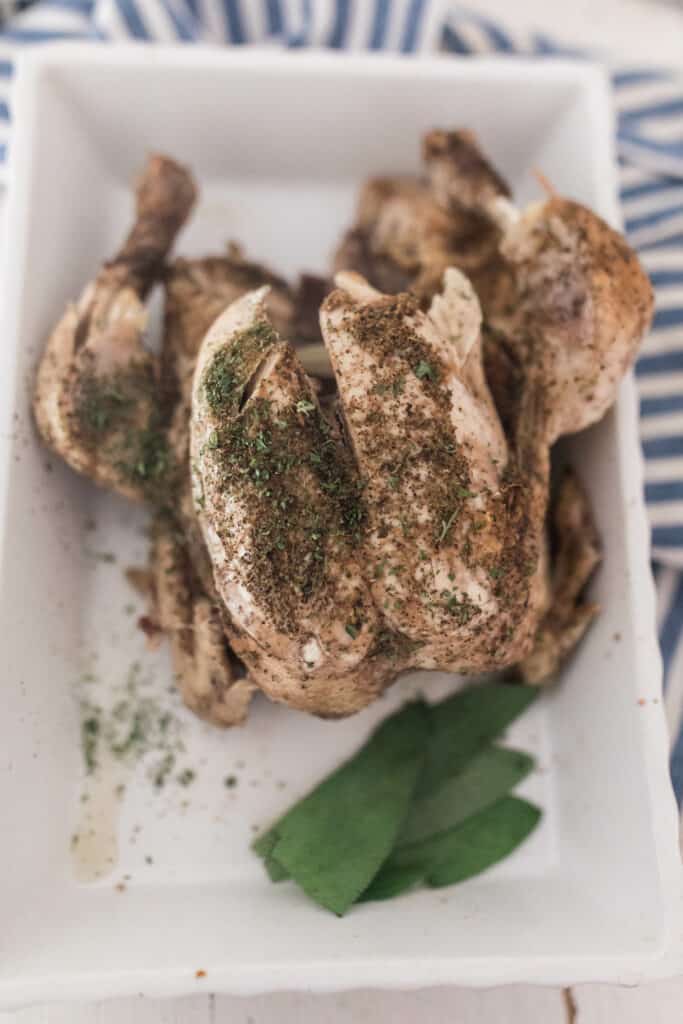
197,291
453,559
281,509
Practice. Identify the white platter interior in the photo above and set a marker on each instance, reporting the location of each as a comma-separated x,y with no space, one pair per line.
160,883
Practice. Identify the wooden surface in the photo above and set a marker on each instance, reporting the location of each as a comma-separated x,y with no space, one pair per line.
592,1004
646,31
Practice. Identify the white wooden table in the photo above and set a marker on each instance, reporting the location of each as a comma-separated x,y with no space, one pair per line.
646,31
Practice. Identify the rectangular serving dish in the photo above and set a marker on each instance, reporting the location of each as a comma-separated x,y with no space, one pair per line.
157,891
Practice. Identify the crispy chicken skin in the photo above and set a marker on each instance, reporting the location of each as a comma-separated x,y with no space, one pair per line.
555,281
404,239
459,174
97,397
582,304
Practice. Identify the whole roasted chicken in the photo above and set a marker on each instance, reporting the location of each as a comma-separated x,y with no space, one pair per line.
315,545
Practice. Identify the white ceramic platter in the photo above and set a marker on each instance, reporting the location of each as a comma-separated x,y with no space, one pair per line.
161,884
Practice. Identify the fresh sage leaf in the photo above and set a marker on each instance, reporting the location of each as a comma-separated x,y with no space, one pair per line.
423,801
263,844
482,841
485,779
333,842
464,851
392,880
275,870
465,723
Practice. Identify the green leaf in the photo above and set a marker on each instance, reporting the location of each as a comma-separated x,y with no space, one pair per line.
483,841
462,852
425,369
392,881
275,870
426,786
334,841
264,844
483,781
465,723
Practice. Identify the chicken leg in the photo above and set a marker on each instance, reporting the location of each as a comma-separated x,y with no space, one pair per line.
97,400
568,293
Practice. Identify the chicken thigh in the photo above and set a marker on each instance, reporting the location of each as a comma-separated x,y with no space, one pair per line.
568,293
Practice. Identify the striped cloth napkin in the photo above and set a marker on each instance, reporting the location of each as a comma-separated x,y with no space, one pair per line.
649,104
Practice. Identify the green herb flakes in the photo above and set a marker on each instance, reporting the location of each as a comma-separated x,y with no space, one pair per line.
129,723
90,731
230,368
446,526
425,371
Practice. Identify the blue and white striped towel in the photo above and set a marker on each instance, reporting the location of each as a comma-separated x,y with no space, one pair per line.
649,103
